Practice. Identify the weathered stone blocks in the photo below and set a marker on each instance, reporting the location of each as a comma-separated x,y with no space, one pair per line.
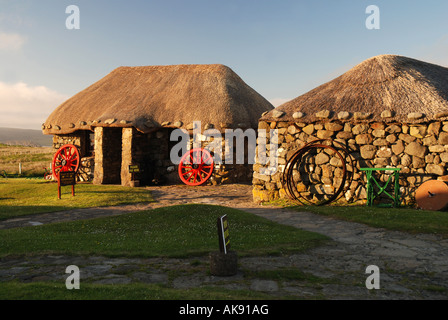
416,149
420,150
368,151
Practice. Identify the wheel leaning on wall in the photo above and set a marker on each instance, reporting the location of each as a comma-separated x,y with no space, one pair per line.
66,159
196,167
297,162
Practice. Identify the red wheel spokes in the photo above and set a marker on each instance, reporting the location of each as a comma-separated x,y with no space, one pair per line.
193,169
66,159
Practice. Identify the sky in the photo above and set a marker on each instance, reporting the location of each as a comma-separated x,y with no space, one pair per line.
282,49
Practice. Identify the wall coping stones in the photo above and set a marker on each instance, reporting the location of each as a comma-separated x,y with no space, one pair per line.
387,114
298,115
325,114
110,121
344,115
415,115
278,114
441,114
362,115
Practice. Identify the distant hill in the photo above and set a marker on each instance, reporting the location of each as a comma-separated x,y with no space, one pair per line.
26,137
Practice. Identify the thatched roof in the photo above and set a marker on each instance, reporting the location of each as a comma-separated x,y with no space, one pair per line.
150,97
383,88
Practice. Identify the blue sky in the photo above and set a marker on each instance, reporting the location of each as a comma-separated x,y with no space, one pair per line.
281,48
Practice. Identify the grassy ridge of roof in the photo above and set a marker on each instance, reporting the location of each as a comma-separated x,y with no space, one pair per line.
382,83
146,97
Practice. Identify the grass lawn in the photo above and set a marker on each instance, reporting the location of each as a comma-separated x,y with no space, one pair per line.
136,291
176,231
404,219
31,196
180,231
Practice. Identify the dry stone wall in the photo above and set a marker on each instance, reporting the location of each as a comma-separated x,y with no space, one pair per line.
226,171
117,148
80,139
419,150
107,155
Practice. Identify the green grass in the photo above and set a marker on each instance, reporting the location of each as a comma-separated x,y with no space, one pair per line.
32,196
182,231
404,219
176,231
136,291
33,160
31,157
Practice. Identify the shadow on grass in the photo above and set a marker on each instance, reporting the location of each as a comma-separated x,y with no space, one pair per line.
25,211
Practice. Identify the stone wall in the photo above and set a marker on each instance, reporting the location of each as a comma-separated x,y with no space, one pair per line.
226,171
108,153
80,139
153,155
161,169
117,148
420,151
86,170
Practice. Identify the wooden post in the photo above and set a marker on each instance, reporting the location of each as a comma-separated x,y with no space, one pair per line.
59,185
223,234
223,262
133,169
66,178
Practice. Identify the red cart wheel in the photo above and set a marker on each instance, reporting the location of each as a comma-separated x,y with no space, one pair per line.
196,167
66,159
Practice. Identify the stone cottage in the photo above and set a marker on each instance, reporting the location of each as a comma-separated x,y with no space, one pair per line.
127,117
388,112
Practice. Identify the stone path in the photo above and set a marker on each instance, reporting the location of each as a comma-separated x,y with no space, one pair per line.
411,266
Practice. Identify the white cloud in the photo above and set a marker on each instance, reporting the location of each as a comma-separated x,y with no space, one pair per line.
278,101
11,41
24,106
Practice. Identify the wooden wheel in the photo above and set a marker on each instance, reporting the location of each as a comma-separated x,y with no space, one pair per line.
66,159
195,167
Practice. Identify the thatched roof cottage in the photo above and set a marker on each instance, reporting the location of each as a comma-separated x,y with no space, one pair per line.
388,111
127,116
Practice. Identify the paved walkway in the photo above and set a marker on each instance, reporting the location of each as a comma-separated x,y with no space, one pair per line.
411,266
